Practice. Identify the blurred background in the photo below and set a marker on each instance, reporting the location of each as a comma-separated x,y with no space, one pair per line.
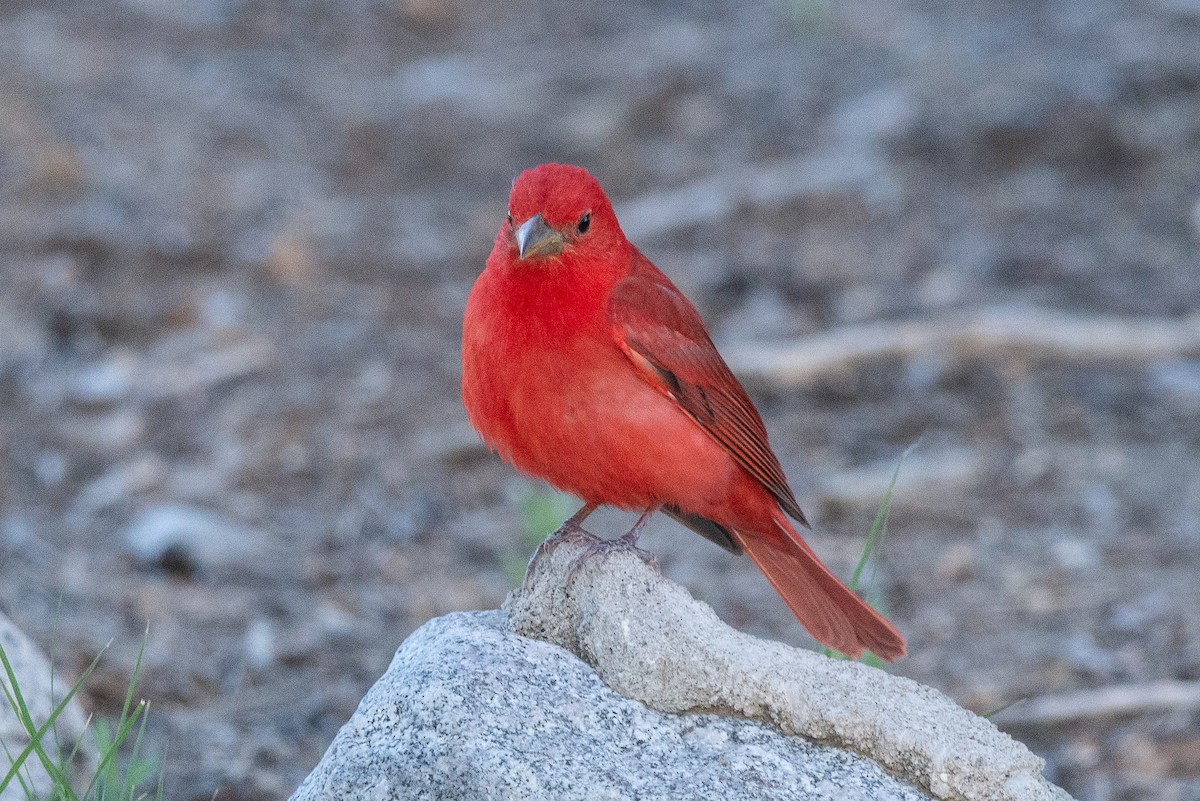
236,238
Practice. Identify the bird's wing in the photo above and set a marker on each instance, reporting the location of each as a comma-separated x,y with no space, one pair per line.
665,338
711,530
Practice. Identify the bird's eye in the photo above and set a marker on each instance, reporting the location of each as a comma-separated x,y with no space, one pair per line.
585,222
509,218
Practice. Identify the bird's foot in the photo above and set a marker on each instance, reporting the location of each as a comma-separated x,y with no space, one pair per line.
567,532
597,546
571,530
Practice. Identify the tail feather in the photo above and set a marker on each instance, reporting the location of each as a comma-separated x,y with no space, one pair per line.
835,616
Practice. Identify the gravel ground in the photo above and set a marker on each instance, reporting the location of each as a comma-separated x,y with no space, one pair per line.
236,237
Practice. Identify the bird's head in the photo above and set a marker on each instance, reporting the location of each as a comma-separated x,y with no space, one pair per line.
557,209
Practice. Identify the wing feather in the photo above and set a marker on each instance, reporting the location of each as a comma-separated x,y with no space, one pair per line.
665,338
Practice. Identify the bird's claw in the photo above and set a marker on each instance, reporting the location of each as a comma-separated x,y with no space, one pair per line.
597,546
573,531
567,532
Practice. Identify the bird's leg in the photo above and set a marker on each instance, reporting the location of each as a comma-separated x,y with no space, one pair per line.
630,537
572,530
627,541
575,521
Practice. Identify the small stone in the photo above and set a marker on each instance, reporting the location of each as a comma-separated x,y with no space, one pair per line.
110,432
185,539
1085,656
957,562
222,309
942,286
1136,615
876,115
1032,465
259,643
16,531
51,468
1179,380
103,382
1075,554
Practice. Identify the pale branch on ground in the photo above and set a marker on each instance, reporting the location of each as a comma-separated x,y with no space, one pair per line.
1103,703
1015,331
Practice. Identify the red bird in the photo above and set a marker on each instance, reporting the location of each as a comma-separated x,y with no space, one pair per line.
585,366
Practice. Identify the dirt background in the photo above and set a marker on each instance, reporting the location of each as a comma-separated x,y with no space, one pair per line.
236,238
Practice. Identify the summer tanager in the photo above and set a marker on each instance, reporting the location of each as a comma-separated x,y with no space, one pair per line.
585,366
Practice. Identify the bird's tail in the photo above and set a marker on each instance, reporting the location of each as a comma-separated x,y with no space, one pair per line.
832,613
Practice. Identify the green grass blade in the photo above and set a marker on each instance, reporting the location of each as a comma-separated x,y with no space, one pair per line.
879,525
107,772
115,779
873,546
15,699
992,713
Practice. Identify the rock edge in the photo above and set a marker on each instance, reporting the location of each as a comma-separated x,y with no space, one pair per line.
651,641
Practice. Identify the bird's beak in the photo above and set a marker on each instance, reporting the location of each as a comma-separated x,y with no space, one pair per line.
535,238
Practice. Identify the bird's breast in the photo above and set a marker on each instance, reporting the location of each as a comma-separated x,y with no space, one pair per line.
558,399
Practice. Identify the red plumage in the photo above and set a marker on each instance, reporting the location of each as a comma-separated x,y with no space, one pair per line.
585,366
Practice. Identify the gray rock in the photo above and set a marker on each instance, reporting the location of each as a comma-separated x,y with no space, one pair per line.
103,382
33,671
469,710
651,641
492,706
188,538
1179,380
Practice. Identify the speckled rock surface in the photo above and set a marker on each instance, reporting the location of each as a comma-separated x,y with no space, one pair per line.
469,710
649,639
612,682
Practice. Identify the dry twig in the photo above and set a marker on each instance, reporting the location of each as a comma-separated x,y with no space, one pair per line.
1043,333
1103,703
